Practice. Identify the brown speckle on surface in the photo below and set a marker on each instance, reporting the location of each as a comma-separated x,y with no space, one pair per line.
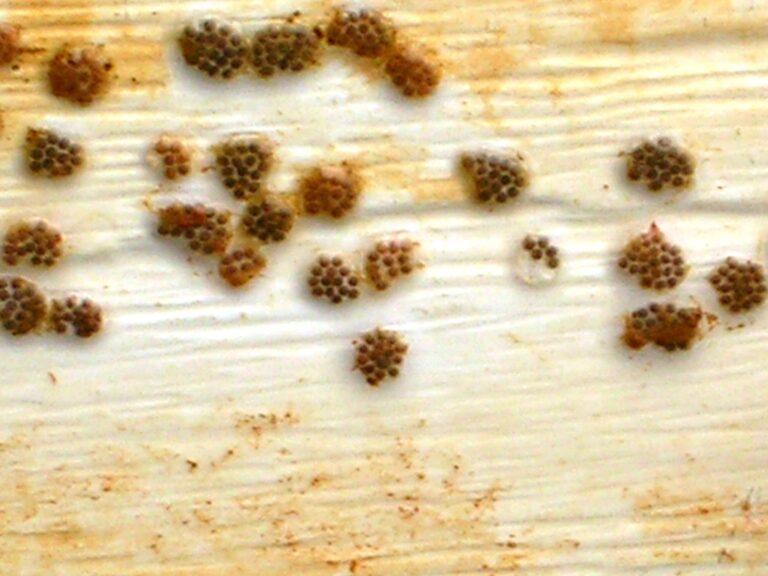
661,164
171,156
332,279
215,48
331,191
242,163
35,242
495,179
80,74
289,48
379,355
51,155
205,229
10,43
74,315
656,263
740,285
365,32
268,220
389,261
415,72
241,265
665,325
23,306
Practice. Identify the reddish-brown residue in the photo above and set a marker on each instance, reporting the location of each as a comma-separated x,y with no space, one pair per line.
289,48
495,179
740,285
23,305
241,265
80,75
414,71
380,354
79,316
660,164
51,155
10,43
654,261
331,191
35,242
205,229
665,325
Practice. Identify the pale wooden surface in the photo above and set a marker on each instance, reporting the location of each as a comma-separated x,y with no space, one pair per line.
216,433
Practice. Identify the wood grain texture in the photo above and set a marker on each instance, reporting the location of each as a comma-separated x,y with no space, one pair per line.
211,432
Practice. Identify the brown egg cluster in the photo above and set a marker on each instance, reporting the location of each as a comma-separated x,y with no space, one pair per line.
413,72
330,278
10,43
73,315
740,286
243,163
390,260
215,48
541,248
660,164
654,261
665,325
495,179
286,48
380,355
80,75
331,191
23,305
51,155
365,32
38,243
268,220
175,157
241,265
205,229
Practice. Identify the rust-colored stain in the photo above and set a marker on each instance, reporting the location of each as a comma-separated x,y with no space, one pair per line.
690,525
256,426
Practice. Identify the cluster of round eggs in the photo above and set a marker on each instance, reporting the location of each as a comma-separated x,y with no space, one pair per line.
24,307
221,51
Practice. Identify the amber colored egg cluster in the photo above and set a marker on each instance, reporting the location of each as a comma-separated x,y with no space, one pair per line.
23,306
390,260
285,48
205,229
332,279
365,32
37,243
660,165
74,315
10,43
80,75
665,325
173,156
241,265
51,155
413,71
654,261
268,220
541,248
215,48
242,163
740,285
330,191
379,355
495,179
